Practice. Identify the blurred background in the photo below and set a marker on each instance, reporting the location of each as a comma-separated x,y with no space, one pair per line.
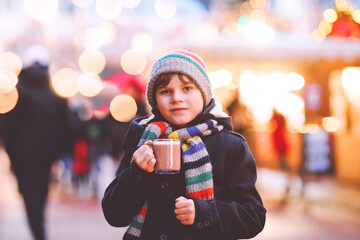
287,71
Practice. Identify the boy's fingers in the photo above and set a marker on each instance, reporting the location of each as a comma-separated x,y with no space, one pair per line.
151,164
186,219
148,143
181,198
181,211
183,202
140,151
182,217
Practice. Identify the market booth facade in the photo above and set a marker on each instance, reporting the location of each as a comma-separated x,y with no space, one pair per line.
316,86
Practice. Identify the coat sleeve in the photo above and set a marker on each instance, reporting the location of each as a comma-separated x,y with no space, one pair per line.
237,210
126,194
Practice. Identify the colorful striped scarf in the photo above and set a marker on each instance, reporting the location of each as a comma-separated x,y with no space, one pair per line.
196,163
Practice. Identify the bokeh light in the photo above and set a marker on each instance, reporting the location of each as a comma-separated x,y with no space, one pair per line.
356,15
142,42
291,105
242,22
257,31
123,108
93,38
41,9
258,15
8,81
133,62
330,15
89,84
258,3
350,79
92,61
342,5
206,34
331,124
64,82
295,80
263,92
8,100
165,9
10,61
220,78
324,28
108,9
108,32
82,3
130,3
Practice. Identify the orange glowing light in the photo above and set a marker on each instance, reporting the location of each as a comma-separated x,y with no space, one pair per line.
123,108
8,100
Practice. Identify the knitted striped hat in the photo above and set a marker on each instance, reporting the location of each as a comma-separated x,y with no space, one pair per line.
182,62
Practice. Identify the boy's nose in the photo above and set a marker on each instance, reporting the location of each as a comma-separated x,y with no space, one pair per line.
177,97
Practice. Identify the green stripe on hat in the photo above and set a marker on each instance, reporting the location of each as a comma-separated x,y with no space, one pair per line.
197,65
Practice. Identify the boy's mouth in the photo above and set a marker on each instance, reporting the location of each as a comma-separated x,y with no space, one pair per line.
177,109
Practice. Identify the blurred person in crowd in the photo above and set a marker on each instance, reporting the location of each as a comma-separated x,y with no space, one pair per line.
280,145
34,135
214,194
242,120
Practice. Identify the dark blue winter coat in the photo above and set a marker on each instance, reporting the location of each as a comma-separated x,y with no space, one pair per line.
236,211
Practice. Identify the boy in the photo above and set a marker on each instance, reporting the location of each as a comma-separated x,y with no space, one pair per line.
214,195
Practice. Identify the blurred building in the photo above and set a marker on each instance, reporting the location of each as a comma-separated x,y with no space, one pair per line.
301,57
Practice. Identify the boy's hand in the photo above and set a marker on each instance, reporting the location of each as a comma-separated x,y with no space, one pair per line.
144,157
185,210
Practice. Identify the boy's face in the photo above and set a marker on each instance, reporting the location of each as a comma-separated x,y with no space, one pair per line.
180,101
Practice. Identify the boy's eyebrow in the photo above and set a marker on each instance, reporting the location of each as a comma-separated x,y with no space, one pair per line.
189,82
182,84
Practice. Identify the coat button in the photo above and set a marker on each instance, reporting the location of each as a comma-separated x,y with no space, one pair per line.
200,225
163,237
207,223
138,178
164,185
187,237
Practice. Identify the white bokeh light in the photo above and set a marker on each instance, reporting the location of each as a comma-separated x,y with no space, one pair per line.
108,9
262,92
11,62
220,78
142,42
8,81
205,34
64,82
165,9
89,84
259,32
350,79
93,38
130,3
82,3
133,62
92,61
41,9
108,32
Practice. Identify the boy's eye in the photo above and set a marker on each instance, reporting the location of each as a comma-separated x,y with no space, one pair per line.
187,88
164,91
